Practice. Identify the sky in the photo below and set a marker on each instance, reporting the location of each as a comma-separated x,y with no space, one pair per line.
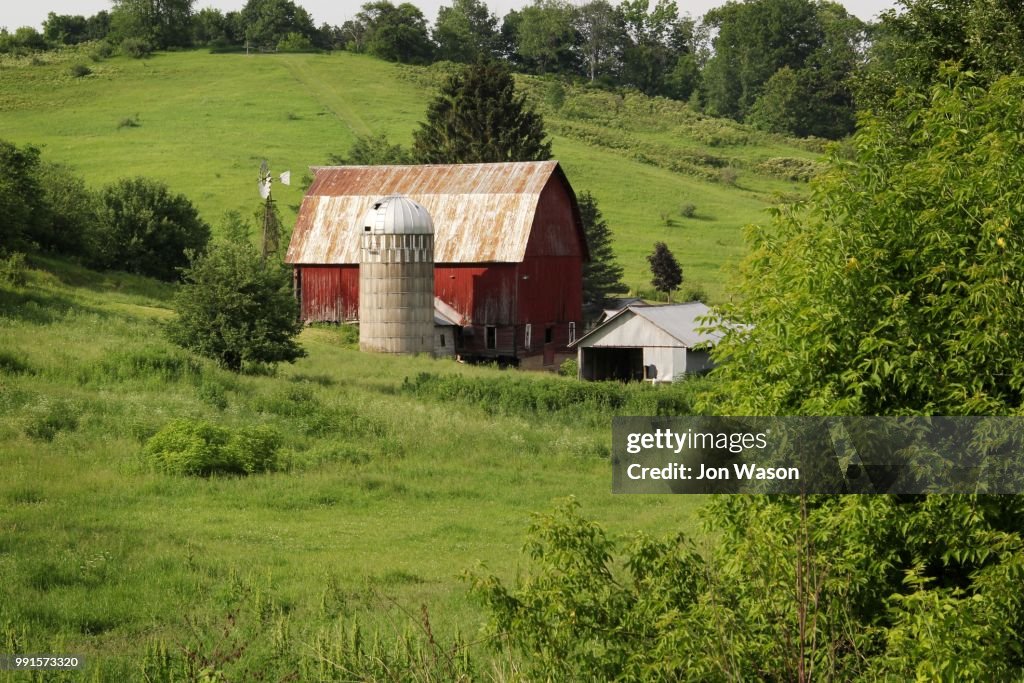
15,13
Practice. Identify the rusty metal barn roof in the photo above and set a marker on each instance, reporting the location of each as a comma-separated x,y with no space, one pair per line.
481,212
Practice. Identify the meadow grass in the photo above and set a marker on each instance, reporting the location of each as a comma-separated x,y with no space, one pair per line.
204,122
384,498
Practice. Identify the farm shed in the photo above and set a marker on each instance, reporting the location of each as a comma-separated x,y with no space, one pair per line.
508,252
655,343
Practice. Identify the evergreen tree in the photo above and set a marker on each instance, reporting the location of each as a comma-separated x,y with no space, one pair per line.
602,275
665,269
477,118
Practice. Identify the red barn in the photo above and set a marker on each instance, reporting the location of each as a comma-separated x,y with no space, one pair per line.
508,250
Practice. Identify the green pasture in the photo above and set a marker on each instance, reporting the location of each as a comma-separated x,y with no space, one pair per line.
385,499
205,121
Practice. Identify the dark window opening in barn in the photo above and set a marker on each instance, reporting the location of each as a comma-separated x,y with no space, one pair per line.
549,334
492,337
442,340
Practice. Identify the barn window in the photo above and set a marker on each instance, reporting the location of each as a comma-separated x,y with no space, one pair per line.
442,340
492,337
572,332
549,334
529,335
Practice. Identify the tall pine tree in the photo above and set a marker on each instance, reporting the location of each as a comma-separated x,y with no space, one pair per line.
602,275
479,118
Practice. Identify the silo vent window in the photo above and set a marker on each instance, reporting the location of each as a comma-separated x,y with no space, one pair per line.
377,205
366,228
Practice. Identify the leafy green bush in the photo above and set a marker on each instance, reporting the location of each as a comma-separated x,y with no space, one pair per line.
569,368
13,269
136,47
237,309
101,50
688,210
201,448
790,168
79,70
295,42
146,229
852,588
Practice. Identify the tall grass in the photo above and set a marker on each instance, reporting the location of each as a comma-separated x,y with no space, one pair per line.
384,492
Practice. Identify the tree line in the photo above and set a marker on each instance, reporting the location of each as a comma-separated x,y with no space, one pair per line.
783,65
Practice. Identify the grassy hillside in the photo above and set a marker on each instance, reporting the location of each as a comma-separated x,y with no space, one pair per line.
385,499
205,121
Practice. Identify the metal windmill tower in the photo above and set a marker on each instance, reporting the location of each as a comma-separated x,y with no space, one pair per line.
271,232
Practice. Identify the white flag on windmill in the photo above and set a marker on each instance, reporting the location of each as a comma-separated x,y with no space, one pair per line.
286,178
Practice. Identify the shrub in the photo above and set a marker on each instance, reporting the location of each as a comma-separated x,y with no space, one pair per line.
688,210
79,70
569,368
101,50
295,42
728,176
136,47
13,269
237,309
129,122
146,229
201,448
790,168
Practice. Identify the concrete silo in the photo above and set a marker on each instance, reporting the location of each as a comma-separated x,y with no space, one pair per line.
396,278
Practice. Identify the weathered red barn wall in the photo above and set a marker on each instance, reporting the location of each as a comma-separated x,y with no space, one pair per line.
551,276
483,293
329,293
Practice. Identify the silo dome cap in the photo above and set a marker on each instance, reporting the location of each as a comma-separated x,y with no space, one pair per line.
397,215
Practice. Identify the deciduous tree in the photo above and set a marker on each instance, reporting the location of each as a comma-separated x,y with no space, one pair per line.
665,271
398,34
465,32
236,309
144,228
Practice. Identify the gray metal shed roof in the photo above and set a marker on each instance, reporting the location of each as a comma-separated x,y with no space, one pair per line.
680,321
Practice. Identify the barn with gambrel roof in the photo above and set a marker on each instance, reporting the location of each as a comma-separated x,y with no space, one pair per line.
509,250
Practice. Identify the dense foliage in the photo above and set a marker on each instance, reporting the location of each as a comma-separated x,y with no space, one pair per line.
237,309
201,448
144,228
828,588
784,65
899,276
478,117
